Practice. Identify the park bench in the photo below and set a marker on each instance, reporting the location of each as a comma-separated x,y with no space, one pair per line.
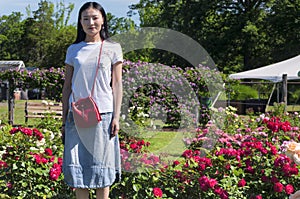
42,109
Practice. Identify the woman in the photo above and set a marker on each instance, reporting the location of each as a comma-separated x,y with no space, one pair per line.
92,155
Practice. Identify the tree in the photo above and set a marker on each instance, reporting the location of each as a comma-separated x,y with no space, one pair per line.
42,38
47,36
119,25
238,34
284,22
11,31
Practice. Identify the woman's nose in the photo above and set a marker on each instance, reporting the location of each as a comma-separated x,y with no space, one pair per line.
91,21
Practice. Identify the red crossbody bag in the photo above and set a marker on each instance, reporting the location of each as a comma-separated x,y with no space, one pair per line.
85,110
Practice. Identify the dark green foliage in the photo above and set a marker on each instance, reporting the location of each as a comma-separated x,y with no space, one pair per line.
238,35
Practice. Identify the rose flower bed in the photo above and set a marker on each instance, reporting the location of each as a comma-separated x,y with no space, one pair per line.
31,164
248,158
253,157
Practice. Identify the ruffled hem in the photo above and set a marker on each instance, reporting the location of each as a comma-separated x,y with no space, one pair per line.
90,178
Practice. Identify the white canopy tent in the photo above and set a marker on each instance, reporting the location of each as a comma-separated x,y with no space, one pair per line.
278,72
273,72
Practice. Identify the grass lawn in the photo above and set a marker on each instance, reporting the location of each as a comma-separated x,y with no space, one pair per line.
19,113
290,108
167,144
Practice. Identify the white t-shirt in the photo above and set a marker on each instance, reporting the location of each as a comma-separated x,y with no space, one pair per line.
83,57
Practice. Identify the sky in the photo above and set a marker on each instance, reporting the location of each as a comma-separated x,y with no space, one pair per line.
118,8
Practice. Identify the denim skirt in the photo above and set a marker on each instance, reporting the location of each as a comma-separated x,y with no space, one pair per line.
91,156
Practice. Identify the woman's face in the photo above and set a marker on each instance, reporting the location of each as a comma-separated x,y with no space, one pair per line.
91,21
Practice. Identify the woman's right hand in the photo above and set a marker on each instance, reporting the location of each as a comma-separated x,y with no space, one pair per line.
63,134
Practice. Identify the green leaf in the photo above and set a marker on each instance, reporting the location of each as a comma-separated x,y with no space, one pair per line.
15,167
135,187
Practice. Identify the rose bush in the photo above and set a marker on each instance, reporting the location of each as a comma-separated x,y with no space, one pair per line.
31,164
248,160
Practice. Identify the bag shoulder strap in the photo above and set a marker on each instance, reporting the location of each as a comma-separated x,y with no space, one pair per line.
97,69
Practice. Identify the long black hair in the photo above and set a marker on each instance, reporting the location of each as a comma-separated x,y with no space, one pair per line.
104,30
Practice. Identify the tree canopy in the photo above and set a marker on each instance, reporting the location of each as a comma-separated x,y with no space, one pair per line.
41,39
238,34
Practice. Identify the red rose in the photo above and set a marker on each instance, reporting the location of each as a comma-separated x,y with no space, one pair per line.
133,146
274,179
176,162
289,189
9,185
48,151
55,172
157,192
38,158
278,187
141,142
242,182
13,131
27,131
264,179
44,160
3,164
212,183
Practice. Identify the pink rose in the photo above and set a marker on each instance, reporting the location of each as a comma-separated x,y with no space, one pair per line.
289,189
242,182
278,187
157,192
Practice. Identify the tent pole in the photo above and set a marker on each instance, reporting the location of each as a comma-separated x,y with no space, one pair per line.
277,88
11,102
274,86
284,91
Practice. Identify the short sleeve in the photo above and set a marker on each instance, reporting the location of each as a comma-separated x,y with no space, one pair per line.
69,56
118,54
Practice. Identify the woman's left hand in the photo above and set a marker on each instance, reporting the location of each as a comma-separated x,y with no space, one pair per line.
115,127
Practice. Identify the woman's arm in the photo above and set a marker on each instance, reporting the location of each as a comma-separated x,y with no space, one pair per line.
66,92
117,88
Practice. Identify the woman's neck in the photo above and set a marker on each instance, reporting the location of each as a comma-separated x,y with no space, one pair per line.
93,39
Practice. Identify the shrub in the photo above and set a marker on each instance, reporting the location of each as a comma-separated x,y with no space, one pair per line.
31,164
244,159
